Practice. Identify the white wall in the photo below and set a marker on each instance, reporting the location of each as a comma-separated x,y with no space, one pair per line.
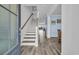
30,26
25,13
70,29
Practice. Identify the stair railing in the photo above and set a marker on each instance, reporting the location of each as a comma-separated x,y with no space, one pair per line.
26,22
36,40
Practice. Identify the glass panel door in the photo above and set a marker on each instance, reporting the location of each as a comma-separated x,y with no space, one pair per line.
8,27
13,30
4,30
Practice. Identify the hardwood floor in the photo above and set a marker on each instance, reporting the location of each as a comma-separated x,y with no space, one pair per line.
47,47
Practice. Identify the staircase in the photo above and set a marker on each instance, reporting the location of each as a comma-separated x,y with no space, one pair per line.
30,39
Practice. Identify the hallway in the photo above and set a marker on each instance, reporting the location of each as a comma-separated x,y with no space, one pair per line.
47,47
33,19
26,23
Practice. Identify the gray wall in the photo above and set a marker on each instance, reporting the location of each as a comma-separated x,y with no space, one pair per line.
70,29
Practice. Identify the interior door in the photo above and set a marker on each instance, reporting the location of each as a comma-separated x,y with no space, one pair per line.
8,29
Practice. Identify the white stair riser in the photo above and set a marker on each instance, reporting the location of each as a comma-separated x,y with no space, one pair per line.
30,33
27,44
29,36
28,40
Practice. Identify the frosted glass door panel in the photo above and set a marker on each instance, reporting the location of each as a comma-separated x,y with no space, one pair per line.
13,27
4,30
13,8
8,28
6,5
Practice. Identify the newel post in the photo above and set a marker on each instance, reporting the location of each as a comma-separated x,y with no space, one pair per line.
36,41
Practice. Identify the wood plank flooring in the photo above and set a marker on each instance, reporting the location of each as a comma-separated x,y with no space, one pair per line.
48,47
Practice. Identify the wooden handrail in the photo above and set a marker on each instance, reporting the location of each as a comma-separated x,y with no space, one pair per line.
26,22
